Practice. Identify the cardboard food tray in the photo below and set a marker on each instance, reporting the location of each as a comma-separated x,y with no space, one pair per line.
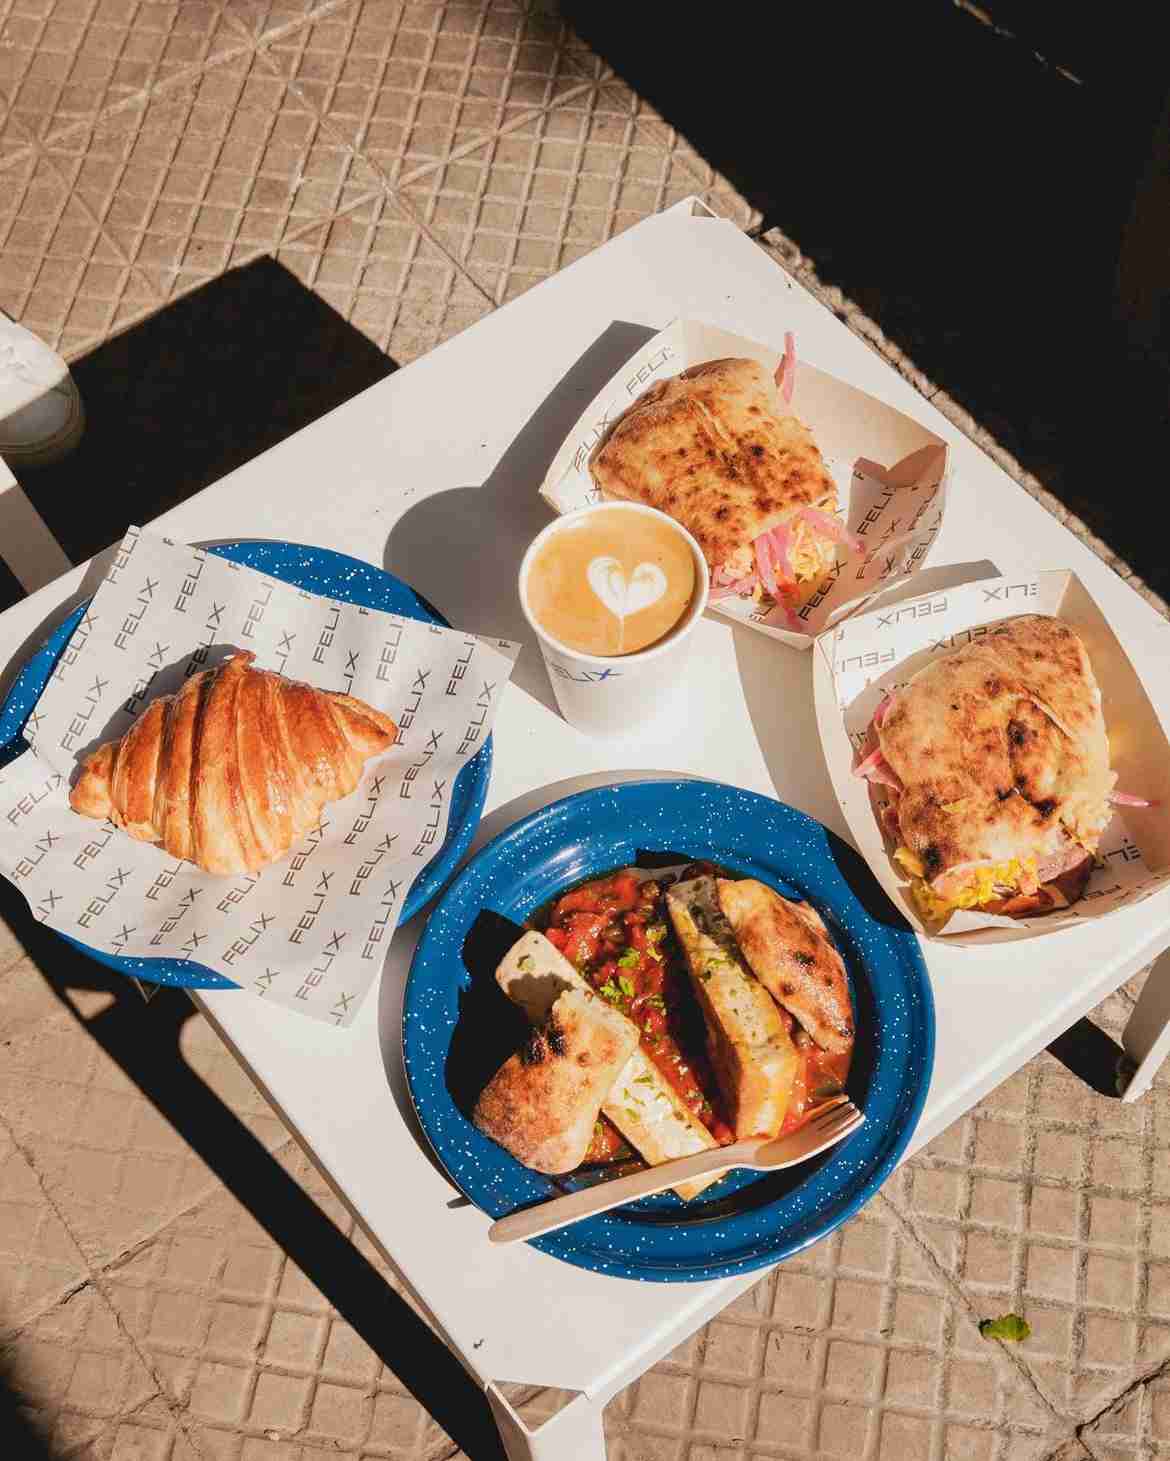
859,662
891,472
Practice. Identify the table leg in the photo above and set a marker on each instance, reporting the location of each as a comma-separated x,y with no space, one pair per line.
1146,1038
26,544
575,1432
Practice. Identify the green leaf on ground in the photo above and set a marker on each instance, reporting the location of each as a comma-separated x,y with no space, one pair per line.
1009,1327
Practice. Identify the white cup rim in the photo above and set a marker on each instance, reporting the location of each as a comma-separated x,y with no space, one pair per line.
639,656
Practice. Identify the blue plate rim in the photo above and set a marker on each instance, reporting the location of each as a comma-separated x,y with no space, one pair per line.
773,1251
475,776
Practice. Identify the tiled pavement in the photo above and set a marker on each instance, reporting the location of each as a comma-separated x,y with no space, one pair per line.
417,165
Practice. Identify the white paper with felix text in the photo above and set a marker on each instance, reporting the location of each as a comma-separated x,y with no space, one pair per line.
311,931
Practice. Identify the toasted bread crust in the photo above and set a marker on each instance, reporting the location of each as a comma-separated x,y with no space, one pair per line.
542,1102
642,1103
789,950
1000,751
754,1057
716,448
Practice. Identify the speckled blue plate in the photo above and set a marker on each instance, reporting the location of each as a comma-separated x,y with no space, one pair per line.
748,1220
321,571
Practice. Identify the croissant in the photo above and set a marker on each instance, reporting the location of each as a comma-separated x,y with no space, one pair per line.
234,767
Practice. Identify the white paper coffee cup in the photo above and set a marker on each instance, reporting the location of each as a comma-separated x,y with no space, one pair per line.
606,695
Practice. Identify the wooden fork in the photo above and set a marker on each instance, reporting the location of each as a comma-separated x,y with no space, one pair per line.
828,1124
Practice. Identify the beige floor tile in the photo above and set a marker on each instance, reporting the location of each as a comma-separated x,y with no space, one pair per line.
1043,1201
209,174
62,64
856,1348
156,1432
15,140
243,1339
59,273
26,998
39,1262
266,19
378,269
76,1371
407,84
113,1167
1127,1431
518,208
11,949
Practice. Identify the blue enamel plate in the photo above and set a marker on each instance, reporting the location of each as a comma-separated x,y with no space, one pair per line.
320,571
457,1024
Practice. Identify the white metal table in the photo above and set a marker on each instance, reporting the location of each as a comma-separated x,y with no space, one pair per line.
434,472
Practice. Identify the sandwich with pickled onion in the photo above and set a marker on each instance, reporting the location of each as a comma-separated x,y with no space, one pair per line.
990,772
719,449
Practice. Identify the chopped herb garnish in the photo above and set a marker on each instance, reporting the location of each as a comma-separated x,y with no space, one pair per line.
629,960
525,962
644,1080
656,1000
626,985
610,991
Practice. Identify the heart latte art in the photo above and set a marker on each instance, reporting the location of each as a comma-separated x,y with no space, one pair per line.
625,594
612,583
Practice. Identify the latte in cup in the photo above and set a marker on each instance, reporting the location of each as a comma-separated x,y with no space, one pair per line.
612,583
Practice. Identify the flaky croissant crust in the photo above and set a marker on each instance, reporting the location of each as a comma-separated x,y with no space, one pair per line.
234,767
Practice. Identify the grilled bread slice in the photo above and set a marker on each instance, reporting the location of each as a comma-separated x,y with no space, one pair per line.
642,1103
788,949
754,1057
542,1102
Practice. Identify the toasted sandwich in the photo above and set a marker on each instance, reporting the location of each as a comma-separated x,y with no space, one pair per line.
991,772
642,1103
752,1052
719,448
788,948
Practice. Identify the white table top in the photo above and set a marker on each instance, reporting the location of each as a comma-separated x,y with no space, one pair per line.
434,472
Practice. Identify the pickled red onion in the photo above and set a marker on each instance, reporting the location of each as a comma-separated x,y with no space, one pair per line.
874,767
832,528
883,710
868,763
786,370
1124,799
782,543
725,590
764,564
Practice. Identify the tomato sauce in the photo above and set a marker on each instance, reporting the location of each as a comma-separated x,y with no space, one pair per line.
617,932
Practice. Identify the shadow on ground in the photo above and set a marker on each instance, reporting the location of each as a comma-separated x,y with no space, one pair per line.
144,1041
18,1438
188,395
969,196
